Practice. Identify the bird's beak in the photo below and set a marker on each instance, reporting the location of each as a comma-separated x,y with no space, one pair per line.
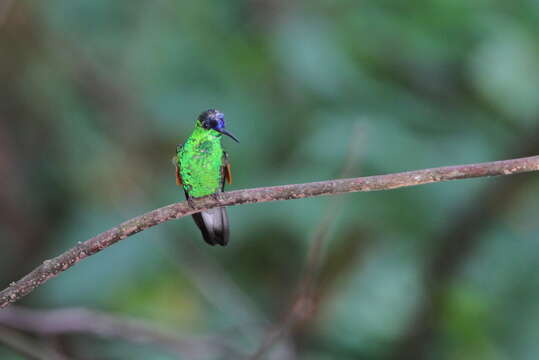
228,133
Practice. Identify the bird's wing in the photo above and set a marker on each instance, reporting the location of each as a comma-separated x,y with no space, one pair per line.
179,181
227,174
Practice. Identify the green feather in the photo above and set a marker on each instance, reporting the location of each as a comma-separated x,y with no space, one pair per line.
201,160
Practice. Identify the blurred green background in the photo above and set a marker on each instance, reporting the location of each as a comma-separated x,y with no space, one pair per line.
95,95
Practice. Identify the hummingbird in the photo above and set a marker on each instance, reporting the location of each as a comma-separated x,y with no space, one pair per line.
202,168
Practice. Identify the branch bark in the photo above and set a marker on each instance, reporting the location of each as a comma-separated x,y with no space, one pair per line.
52,267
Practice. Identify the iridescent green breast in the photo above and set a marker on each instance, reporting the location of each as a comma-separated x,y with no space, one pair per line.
200,160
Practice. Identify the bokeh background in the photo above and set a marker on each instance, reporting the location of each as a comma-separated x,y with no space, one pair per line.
95,95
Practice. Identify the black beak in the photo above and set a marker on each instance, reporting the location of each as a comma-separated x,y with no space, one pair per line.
227,133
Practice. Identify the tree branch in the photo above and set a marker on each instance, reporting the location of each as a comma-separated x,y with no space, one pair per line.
52,267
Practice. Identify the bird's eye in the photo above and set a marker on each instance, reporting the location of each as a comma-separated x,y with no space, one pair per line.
212,123
207,124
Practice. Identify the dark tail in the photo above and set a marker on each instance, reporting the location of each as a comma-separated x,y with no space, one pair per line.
214,225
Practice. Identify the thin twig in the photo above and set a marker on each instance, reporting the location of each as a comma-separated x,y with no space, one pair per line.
52,267
303,301
315,254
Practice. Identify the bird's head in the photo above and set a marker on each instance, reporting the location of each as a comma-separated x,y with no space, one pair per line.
214,120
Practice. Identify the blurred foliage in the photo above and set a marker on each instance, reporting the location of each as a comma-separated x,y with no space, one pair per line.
96,94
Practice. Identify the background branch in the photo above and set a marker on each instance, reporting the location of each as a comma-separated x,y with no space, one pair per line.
86,321
52,267
26,346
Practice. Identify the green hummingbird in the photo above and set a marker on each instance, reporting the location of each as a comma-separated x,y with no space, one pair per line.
202,168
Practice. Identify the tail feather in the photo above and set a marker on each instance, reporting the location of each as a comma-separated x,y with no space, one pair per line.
214,226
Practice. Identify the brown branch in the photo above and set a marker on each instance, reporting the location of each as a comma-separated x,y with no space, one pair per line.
52,267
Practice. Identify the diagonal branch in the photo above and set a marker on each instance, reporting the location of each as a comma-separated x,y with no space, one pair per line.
54,266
